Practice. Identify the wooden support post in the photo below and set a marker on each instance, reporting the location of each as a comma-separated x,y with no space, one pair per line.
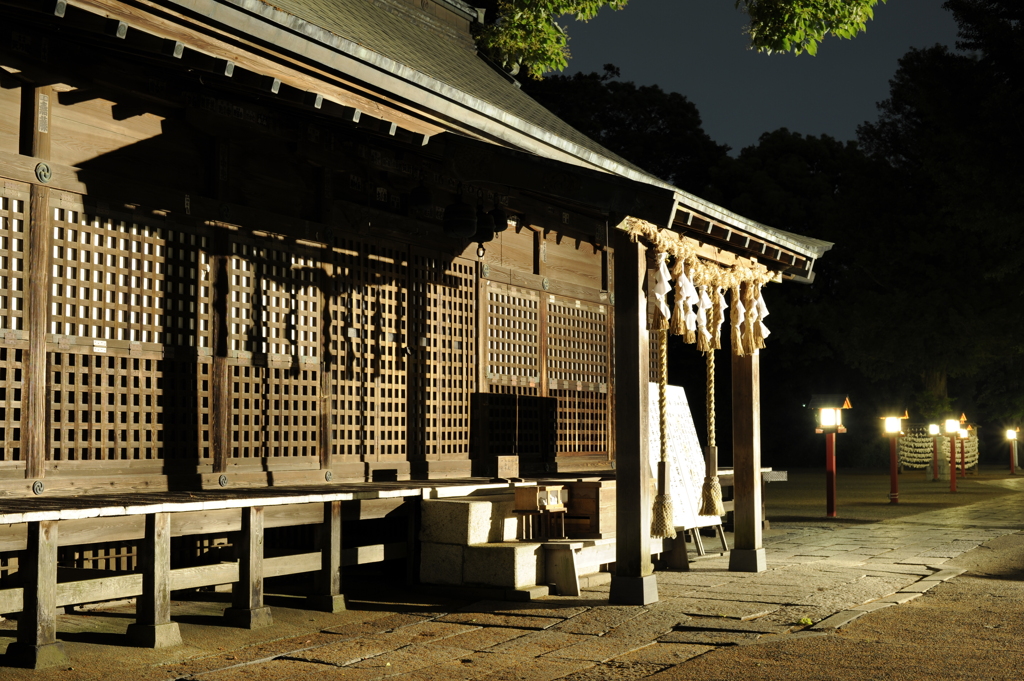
37,646
329,597
247,609
748,553
153,627
634,582
35,136
220,376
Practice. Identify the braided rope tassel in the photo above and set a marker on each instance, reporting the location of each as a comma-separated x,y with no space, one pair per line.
662,524
711,493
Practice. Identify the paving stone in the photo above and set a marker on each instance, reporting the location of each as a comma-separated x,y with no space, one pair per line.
423,632
758,626
543,608
730,609
665,653
873,605
855,593
840,619
484,637
922,586
289,670
484,619
697,579
752,598
537,643
471,666
411,658
947,574
348,651
708,638
538,669
650,624
616,671
381,624
598,620
600,648
900,597
790,615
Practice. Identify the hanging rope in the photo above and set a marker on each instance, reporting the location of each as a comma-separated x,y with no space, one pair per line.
662,524
711,494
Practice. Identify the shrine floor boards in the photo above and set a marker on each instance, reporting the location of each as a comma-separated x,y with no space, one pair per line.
919,593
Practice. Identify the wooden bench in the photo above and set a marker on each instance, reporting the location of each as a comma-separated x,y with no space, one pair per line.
36,527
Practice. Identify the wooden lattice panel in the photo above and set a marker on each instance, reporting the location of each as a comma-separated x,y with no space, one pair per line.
204,413
368,335
443,313
513,339
109,280
454,305
582,422
274,302
105,408
577,345
10,407
274,411
12,265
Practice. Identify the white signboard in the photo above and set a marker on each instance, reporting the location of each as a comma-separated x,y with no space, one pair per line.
685,457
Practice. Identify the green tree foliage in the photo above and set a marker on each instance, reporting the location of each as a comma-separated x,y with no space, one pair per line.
526,33
656,130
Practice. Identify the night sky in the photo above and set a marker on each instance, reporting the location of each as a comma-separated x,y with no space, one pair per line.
698,48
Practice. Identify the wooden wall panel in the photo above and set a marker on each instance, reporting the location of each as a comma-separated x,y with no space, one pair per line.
514,248
572,261
10,106
87,129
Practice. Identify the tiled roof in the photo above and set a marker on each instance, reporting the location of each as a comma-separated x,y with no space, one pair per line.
380,33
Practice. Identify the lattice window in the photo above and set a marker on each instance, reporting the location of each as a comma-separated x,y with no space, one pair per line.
442,307
204,414
123,281
512,335
577,355
274,307
582,421
10,405
105,408
274,412
368,334
453,301
12,264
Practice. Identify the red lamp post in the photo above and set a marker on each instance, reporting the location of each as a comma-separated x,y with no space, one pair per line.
933,430
1011,435
828,410
893,428
952,426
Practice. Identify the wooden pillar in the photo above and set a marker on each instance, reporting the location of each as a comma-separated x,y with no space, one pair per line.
329,597
247,609
748,553
37,646
634,582
153,627
35,135
220,371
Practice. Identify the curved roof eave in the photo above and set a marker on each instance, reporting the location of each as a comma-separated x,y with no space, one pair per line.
491,121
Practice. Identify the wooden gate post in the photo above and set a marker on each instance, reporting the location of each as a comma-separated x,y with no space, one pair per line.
330,597
634,582
247,609
37,646
748,553
153,627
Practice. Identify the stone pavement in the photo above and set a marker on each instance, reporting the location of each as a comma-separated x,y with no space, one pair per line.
821,576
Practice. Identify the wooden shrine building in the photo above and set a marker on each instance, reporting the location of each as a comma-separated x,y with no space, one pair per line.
246,264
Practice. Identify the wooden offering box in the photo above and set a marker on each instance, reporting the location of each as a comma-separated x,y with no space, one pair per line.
591,509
